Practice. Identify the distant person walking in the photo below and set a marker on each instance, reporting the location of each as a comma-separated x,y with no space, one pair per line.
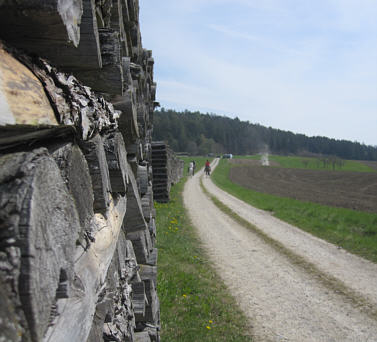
191,169
194,167
207,168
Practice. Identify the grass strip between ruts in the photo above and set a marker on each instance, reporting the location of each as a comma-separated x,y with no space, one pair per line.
195,304
330,282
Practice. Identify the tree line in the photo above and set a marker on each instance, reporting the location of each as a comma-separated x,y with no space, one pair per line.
197,133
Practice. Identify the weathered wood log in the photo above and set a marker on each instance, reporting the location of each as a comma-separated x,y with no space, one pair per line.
153,91
133,160
142,336
16,138
111,333
108,79
152,307
103,10
73,103
142,176
114,318
95,156
22,96
152,230
34,16
127,260
116,156
121,323
133,10
147,151
130,269
140,245
149,334
75,172
148,241
147,204
136,150
126,65
90,270
137,49
153,256
117,23
37,212
142,119
138,75
154,333
13,326
134,218
127,122
97,331
148,272
139,300
63,31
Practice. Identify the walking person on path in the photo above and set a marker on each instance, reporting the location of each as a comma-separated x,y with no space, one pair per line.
191,169
207,168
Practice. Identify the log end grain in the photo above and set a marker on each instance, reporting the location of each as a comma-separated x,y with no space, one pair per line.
41,218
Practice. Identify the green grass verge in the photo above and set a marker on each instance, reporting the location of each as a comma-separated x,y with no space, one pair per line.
353,230
195,304
316,164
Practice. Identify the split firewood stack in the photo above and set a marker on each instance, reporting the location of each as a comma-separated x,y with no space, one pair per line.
167,170
77,221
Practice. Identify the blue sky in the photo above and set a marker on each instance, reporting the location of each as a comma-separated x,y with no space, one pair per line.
308,66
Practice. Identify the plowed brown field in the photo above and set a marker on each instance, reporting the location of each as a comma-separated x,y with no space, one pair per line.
353,190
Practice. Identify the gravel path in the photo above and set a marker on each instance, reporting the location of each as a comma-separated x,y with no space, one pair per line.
284,302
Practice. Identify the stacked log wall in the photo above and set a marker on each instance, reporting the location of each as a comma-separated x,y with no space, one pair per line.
77,221
167,170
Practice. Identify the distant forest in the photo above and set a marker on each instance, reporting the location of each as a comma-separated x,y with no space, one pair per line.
197,133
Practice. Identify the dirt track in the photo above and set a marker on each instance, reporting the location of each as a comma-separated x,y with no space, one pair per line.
284,301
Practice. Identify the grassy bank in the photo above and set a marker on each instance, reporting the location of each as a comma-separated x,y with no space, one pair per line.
354,231
195,305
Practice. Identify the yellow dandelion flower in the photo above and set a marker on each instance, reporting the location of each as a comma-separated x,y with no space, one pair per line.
208,327
210,321
184,296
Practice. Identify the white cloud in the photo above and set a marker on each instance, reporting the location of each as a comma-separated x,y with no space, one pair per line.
233,33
